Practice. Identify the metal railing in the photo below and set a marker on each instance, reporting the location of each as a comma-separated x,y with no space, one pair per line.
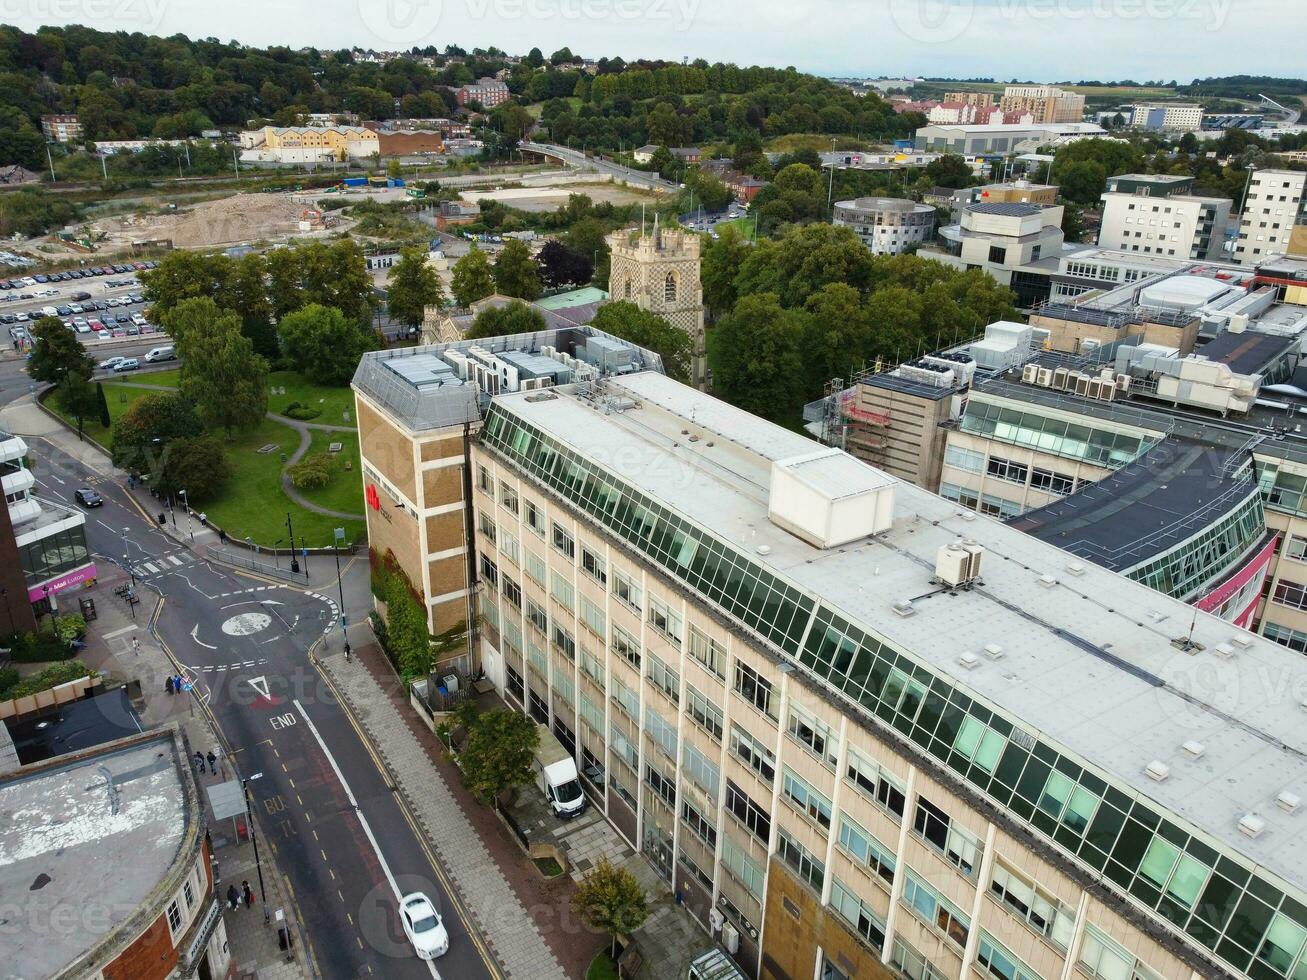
227,557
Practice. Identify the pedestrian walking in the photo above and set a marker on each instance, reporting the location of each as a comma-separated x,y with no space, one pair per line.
233,897
199,761
177,682
248,893
213,763
136,646
168,686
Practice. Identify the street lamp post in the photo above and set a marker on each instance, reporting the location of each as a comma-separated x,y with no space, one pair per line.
340,584
254,839
186,502
294,562
127,556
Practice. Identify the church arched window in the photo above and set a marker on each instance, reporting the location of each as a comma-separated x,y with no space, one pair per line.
669,288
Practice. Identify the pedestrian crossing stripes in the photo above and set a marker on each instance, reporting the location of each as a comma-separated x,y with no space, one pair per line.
163,563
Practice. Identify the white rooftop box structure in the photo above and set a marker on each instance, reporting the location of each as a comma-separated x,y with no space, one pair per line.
1182,294
1006,345
828,498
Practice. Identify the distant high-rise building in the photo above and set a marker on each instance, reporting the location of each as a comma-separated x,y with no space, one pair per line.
978,99
1047,103
61,129
1274,220
1176,118
1155,214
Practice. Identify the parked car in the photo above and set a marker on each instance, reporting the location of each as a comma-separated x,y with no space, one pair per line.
126,364
88,497
423,926
122,318
64,310
95,325
109,363
139,320
165,353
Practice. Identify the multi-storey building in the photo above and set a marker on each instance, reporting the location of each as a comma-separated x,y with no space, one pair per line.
309,144
871,734
1169,117
1046,103
1274,220
1157,215
489,92
886,225
61,129
45,539
107,847
982,99
1001,138
1018,244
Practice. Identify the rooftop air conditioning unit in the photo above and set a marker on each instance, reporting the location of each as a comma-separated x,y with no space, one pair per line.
1251,825
1287,801
1060,376
958,563
969,660
731,938
1194,749
1157,770
1045,379
1029,373
993,651
1123,383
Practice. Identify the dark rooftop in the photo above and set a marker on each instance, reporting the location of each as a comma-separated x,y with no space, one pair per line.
1147,507
1011,210
1247,353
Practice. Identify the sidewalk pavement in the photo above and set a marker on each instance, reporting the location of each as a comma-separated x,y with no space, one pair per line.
109,649
478,859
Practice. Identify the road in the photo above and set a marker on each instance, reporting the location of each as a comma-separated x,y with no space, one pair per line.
638,178
340,832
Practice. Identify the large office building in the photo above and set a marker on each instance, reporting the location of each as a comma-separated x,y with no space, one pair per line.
869,733
1018,244
886,225
1274,220
1002,139
45,543
1157,215
105,869
1168,117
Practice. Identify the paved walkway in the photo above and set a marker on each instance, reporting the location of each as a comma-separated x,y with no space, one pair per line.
109,649
287,485
508,927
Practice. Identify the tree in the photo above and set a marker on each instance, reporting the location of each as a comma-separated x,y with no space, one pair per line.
106,419
534,58
412,286
189,317
472,279
1083,182
611,899
720,263
150,423
759,364
222,376
56,353
394,170
197,465
1073,222
506,320
648,330
589,237
498,753
79,398
515,271
662,161
563,266
835,341
950,170
322,344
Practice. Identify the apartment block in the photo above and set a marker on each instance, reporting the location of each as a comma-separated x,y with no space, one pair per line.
61,129
886,225
489,92
1046,103
867,733
1168,117
1274,220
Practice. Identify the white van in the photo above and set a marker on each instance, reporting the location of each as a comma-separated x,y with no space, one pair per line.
556,776
161,354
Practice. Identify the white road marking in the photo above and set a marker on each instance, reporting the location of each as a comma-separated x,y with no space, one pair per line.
122,632
106,526
363,821
260,684
194,630
150,568
175,560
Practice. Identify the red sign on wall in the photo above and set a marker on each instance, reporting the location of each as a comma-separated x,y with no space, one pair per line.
373,499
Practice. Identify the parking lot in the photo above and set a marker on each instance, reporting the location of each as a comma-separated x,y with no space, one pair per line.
98,303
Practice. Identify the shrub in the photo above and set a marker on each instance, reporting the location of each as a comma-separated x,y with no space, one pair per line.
8,680
302,413
313,472
43,646
70,627
52,676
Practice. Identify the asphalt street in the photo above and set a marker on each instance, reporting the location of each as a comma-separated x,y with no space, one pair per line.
336,826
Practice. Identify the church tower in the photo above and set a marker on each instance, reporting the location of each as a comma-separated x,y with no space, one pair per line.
659,272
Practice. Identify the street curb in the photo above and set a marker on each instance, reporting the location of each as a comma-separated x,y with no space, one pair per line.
420,827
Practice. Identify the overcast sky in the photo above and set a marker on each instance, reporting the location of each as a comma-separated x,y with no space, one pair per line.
1036,39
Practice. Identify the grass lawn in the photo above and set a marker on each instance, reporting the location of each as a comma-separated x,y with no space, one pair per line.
120,399
333,402
793,142
744,225
601,968
255,506
345,491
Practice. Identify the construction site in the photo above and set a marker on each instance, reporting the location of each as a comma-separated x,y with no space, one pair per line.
254,217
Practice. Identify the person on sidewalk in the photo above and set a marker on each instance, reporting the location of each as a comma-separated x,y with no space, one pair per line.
233,897
248,892
168,685
199,762
136,646
213,762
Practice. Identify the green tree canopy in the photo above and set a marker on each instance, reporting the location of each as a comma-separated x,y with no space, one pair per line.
222,376
506,320
515,271
611,899
412,286
498,752
150,423
759,362
561,265
323,344
950,170
56,353
198,465
78,397
648,330
473,278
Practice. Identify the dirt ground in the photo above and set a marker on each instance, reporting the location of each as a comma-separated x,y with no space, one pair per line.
549,198
239,218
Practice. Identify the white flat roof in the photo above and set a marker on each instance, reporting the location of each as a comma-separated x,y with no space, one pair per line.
1089,661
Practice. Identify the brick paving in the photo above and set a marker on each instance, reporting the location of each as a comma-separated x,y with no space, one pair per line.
526,937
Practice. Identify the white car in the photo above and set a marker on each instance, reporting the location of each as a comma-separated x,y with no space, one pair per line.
423,927
139,320
111,363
